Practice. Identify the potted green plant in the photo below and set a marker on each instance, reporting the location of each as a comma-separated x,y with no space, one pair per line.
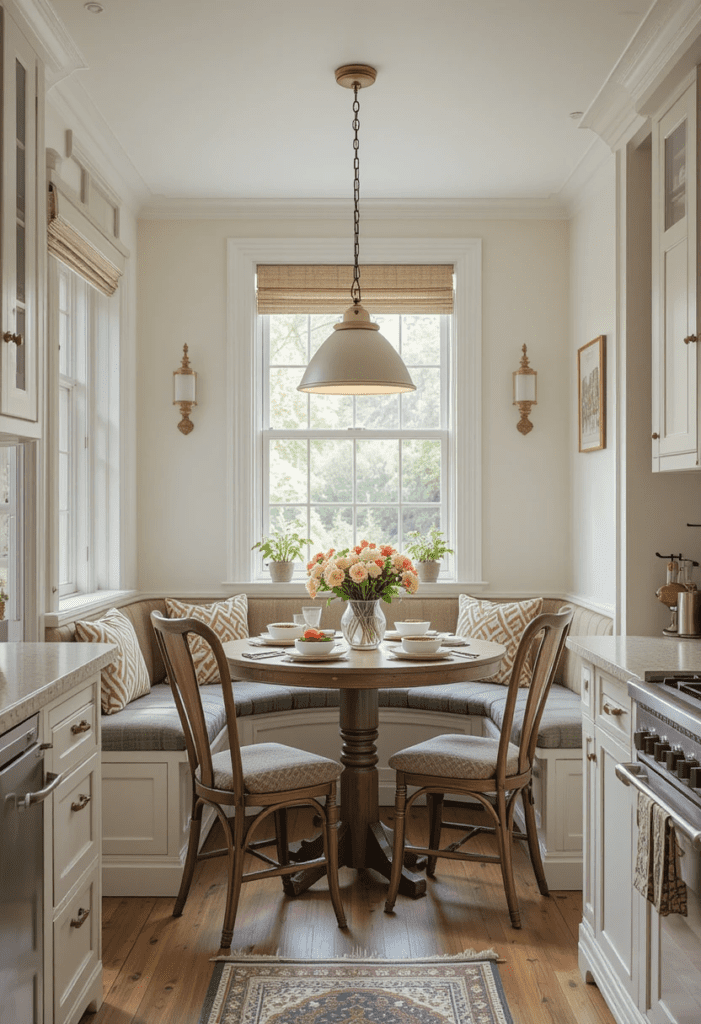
282,549
427,550
3,599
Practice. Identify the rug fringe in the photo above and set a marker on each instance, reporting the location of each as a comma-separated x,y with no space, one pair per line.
361,954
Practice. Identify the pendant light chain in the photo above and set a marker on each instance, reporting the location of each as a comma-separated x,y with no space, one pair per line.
355,288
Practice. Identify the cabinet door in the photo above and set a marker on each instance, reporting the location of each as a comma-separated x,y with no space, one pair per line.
18,326
675,387
589,823
615,909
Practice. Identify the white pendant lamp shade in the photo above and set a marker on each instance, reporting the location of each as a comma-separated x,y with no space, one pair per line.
356,360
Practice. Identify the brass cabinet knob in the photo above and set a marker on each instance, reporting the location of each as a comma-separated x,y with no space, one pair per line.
690,338
591,757
8,336
655,436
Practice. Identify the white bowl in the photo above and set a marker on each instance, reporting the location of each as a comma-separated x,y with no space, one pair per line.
285,630
421,644
412,627
314,648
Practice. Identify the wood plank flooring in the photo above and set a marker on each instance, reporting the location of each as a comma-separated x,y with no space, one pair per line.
157,968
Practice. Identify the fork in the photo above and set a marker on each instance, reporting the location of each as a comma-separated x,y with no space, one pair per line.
262,654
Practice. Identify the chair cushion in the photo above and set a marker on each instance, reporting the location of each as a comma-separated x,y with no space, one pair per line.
228,619
274,767
126,678
455,756
503,624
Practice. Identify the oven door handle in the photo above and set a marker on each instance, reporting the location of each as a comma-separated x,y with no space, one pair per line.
634,775
30,799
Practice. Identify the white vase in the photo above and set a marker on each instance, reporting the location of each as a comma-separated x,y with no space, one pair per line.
281,572
363,624
428,571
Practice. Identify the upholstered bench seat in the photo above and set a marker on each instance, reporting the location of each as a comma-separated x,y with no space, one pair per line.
152,722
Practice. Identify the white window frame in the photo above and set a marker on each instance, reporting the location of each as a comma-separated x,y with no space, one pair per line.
244,364
95,444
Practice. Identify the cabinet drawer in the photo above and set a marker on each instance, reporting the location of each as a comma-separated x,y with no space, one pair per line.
76,837
74,730
76,944
613,712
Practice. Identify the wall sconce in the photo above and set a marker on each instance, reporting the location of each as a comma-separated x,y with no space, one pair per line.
525,392
185,392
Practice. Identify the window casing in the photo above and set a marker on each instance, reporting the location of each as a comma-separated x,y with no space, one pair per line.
88,434
346,468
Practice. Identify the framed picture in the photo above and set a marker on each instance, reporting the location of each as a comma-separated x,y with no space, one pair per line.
591,375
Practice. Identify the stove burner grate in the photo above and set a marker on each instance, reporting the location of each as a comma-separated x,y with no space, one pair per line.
688,685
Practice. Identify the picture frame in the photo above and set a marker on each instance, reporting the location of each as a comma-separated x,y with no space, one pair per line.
591,394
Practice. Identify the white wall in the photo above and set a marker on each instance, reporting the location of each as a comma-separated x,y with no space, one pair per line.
592,289
182,526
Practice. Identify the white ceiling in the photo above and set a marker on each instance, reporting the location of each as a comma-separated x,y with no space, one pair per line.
236,99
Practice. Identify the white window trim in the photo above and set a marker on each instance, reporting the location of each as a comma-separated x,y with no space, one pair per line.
243,364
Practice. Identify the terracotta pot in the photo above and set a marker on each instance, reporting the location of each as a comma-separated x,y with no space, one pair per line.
428,571
281,572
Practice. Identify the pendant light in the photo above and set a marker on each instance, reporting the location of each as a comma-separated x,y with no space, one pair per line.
356,359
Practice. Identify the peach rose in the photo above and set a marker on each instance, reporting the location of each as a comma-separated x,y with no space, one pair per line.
312,587
334,577
358,573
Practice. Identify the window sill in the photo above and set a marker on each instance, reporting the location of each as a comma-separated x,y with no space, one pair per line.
77,605
296,588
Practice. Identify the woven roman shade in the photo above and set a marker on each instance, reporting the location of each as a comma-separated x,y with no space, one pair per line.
325,288
75,249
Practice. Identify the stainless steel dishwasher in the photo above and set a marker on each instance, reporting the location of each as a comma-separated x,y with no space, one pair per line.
22,793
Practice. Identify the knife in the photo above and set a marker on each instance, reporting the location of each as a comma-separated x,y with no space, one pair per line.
263,654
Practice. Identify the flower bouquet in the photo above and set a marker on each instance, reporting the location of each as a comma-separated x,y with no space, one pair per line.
363,576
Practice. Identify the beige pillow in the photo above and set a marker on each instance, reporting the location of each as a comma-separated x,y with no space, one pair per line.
228,619
502,623
127,677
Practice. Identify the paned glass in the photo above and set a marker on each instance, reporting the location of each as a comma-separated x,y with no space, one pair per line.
21,352
331,526
331,471
421,340
389,327
63,350
288,340
288,407
320,327
378,523
377,412
63,410
4,476
421,409
21,101
421,470
675,176
21,184
329,412
63,469
288,471
377,471
63,549
4,538
416,517
21,263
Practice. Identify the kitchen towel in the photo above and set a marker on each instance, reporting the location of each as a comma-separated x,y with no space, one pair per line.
657,872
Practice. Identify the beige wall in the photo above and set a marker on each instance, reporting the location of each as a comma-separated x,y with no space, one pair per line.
182,526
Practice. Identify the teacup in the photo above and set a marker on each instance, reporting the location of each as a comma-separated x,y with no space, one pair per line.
421,644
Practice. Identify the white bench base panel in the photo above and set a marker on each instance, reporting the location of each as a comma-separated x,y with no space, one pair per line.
146,795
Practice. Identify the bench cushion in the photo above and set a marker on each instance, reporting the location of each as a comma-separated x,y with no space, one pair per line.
151,723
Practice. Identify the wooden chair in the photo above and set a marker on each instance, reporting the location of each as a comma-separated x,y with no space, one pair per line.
269,776
492,771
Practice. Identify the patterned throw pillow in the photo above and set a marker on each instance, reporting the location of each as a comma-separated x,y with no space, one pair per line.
127,677
502,623
228,619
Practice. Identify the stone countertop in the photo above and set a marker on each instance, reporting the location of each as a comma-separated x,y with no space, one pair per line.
638,657
32,675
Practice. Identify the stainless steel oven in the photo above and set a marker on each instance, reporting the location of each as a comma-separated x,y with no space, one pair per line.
22,793
668,769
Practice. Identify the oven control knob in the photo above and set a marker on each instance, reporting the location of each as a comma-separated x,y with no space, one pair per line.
649,743
672,759
684,767
661,749
640,737
695,778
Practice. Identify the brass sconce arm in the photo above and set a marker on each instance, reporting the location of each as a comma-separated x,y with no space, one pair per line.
185,392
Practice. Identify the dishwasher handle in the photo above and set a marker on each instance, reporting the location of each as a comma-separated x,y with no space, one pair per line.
53,780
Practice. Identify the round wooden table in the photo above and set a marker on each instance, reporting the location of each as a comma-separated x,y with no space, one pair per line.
365,842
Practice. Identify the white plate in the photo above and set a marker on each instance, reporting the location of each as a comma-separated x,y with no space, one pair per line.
266,638
392,634
437,656
334,655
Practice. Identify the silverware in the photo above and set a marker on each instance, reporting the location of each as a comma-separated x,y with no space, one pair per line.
263,654
465,654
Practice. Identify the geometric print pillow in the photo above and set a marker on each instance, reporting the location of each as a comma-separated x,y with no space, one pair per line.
127,677
503,623
228,619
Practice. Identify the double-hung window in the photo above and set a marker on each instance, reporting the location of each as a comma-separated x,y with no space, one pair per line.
347,468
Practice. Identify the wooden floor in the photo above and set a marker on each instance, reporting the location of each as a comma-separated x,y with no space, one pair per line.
157,968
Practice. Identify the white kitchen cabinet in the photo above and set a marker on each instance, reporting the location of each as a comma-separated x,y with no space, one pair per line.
73,863
22,197
608,934
675,359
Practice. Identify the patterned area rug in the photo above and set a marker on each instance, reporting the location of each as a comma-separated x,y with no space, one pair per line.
435,990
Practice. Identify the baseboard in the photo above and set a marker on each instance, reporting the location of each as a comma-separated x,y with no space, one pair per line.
161,876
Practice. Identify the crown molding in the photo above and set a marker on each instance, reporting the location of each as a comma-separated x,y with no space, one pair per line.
56,47
572,193
162,208
98,143
665,47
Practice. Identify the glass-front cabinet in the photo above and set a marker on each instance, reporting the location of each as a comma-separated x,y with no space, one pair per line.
18,234
675,384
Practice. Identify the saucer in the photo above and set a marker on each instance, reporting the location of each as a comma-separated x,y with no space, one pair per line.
266,638
393,635
334,655
436,656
